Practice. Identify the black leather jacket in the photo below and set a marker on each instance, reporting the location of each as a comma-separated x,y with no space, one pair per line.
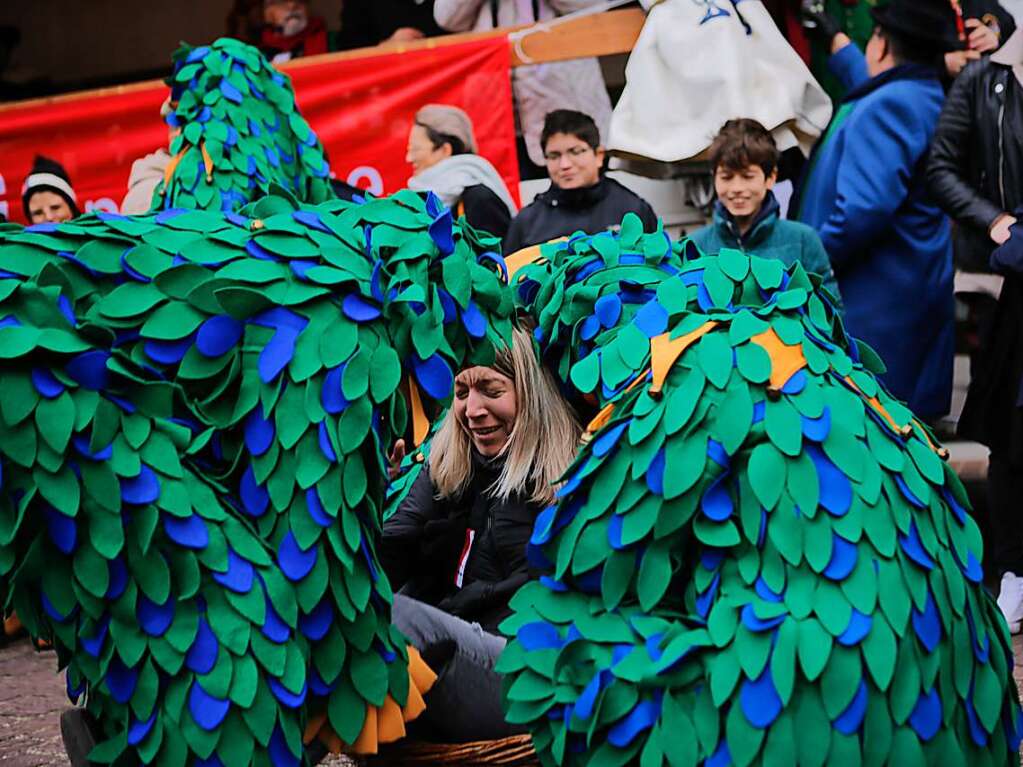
429,540
976,164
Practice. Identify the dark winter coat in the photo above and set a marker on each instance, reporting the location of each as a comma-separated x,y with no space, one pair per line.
484,210
560,212
976,167
465,555
866,195
769,237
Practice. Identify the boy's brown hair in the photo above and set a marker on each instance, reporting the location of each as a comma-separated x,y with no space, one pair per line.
741,143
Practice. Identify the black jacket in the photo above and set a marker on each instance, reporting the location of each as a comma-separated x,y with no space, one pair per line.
369,22
485,211
976,164
559,212
427,540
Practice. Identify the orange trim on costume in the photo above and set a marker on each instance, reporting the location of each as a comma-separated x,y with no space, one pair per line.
665,351
600,419
420,423
207,161
786,360
168,172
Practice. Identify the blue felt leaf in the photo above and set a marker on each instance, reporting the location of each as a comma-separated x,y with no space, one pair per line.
316,624
324,440
94,644
275,629
310,219
218,335
89,370
280,754
81,445
926,716
441,233
608,309
277,353
843,559
153,618
118,578
716,503
977,732
543,526
434,376
295,563
189,531
817,429
717,453
285,696
764,591
835,488
857,630
168,352
52,611
913,547
331,396
907,493
138,731
953,504
239,575
120,680
474,322
62,529
607,439
259,432
760,701
316,510
255,498
202,655
614,532
46,384
795,384
927,624
317,686
207,711
358,309
642,717
652,319
721,757
655,474
141,489
850,720
539,635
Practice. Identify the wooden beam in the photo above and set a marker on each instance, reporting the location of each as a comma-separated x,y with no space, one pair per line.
597,34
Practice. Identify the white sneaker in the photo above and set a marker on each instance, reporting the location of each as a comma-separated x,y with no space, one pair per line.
1010,601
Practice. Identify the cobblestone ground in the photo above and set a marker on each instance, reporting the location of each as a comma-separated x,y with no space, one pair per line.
32,697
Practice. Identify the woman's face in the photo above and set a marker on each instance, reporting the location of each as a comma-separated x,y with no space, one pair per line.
48,206
485,406
421,153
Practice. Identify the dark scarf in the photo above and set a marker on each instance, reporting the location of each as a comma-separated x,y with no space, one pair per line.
578,199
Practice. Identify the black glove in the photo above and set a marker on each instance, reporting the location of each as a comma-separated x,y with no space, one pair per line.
468,599
441,541
817,22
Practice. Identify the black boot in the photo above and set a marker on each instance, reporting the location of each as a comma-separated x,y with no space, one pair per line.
77,730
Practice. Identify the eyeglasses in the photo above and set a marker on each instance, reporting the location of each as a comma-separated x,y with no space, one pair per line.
576,151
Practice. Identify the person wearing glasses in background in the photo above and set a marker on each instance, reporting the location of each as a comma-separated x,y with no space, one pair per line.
581,197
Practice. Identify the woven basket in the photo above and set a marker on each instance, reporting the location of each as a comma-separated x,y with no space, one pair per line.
513,752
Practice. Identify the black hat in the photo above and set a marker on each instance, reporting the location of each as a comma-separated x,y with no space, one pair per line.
929,24
48,176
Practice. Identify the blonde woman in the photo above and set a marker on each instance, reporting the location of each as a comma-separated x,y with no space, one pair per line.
456,547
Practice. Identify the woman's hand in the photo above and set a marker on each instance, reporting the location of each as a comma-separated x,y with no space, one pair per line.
982,39
395,458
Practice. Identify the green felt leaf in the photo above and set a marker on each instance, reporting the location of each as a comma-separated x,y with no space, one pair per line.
55,419
767,474
814,648
715,357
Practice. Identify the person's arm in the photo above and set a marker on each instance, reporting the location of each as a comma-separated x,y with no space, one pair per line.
647,216
847,62
514,239
457,15
946,169
400,543
887,140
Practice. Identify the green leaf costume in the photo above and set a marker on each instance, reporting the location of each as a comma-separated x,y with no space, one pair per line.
196,409
759,556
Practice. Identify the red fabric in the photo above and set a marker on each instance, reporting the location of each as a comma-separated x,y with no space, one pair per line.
309,42
362,110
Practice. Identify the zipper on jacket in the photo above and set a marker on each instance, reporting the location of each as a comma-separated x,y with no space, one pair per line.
1001,146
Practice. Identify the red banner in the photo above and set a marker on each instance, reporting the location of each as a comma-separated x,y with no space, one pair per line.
361,108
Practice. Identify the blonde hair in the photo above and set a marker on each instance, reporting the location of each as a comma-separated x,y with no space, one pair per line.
542,443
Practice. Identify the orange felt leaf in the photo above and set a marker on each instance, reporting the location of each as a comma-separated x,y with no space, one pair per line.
366,743
785,360
390,722
664,351
420,423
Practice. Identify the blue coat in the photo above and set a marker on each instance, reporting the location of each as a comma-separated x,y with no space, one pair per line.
866,195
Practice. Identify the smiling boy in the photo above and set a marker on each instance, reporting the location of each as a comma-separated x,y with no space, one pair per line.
746,215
